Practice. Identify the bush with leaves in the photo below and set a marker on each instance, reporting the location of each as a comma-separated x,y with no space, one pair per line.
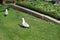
3,7
43,7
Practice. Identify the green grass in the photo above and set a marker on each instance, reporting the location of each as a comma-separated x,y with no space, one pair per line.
10,28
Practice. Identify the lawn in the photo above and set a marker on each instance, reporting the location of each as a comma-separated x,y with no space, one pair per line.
10,28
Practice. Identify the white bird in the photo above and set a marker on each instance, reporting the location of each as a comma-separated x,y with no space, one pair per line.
25,24
6,12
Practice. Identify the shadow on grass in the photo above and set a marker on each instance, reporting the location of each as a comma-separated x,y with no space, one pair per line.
5,15
22,26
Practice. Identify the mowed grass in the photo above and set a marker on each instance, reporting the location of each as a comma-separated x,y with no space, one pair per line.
10,28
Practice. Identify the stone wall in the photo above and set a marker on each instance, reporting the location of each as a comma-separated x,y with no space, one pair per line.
36,14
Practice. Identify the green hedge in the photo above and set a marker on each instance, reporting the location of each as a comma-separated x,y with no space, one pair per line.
3,7
43,7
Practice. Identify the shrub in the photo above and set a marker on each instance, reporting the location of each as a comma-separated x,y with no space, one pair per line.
3,7
43,7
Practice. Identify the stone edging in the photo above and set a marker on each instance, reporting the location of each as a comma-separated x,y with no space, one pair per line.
37,14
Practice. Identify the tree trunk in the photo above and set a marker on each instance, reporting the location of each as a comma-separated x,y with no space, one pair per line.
57,2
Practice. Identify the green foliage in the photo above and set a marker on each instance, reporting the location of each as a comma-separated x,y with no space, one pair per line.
3,7
43,7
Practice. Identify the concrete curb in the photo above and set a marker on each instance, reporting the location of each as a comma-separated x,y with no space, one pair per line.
34,13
